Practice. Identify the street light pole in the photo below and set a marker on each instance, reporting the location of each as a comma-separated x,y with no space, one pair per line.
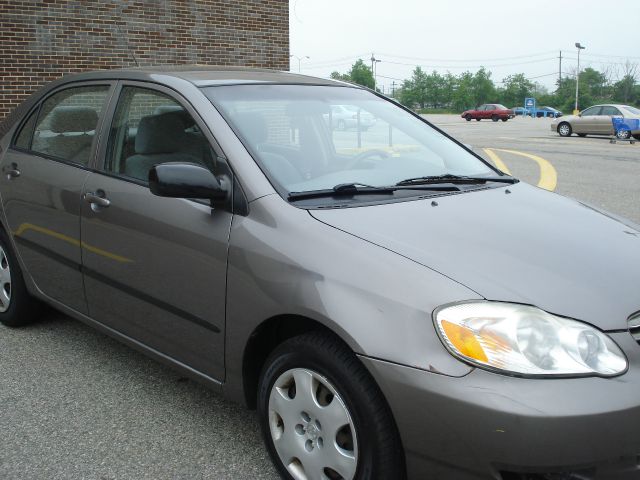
299,59
579,47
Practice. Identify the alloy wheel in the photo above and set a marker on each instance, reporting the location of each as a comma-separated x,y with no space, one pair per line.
5,282
311,427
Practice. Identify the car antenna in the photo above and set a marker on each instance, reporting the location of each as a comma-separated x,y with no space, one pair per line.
126,41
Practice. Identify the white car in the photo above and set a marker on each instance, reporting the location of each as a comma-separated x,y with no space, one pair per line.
597,120
344,117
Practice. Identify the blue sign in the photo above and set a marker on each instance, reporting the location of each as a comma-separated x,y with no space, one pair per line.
530,103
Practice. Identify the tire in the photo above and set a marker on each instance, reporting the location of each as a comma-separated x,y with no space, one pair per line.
467,118
582,135
623,134
295,421
341,125
637,137
565,130
494,118
504,119
478,119
17,307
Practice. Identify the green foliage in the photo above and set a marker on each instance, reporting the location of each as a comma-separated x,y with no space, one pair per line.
516,88
435,92
360,73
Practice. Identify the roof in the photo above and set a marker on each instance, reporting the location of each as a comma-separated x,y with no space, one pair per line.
205,75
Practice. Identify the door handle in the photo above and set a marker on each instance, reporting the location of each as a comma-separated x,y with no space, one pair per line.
11,171
97,200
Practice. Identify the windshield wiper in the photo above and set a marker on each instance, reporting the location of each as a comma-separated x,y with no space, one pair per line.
352,189
455,179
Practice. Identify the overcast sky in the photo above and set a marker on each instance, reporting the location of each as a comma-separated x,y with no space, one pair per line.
506,36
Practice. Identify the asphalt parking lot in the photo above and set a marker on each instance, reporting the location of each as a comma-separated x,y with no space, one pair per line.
76,404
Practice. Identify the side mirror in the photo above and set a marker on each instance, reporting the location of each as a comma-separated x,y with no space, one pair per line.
187,180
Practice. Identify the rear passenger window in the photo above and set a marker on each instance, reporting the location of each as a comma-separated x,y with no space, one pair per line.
67,123
23,139
149,128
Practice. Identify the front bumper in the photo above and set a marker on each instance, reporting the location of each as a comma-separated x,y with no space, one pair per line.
483,425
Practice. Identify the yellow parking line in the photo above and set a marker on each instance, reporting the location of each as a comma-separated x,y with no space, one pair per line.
548,174
497,161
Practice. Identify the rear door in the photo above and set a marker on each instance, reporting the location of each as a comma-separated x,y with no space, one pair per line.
43,174
157,273
605,126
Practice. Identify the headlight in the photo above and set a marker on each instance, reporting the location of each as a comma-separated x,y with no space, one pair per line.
524,340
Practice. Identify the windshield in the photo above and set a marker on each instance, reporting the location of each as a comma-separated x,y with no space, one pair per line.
501,107
309,138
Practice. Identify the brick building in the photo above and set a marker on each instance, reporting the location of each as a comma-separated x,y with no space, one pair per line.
41,40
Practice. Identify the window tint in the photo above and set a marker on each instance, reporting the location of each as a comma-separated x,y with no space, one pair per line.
149,128
491,107
23,139
67,123
592,111
610,111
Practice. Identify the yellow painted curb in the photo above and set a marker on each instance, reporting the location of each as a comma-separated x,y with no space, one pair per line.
548,174
497,161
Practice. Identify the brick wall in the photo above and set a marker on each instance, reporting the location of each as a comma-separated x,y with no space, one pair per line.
43,40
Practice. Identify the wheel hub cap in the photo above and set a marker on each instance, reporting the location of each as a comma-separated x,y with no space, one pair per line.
311,427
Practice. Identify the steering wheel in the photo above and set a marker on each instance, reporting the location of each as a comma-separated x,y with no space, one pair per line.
362,156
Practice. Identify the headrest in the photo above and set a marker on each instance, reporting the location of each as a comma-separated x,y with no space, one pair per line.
73,119
167,108
253,126
160,134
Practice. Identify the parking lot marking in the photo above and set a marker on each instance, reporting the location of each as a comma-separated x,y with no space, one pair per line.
548,174
497,161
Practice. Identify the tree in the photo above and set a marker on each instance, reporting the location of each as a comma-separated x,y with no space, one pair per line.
483,88
516,89
340,76
359,73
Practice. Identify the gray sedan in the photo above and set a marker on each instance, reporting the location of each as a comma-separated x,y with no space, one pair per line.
391,304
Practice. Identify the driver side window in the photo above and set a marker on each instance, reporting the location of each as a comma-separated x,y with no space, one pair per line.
149,128
591,111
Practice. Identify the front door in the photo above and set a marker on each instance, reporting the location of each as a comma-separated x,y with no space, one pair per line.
157,273
43,174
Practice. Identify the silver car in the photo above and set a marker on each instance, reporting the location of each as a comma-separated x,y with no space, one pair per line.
343,117
598,120
391,304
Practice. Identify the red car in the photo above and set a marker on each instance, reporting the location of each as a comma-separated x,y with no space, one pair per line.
494,111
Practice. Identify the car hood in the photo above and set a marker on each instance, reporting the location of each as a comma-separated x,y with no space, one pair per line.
527,246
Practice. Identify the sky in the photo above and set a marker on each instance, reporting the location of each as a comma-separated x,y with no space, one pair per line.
505,36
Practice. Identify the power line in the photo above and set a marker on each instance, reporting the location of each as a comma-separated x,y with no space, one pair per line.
467,60
471,66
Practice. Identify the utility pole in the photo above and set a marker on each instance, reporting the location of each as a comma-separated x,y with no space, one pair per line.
560,69
393,89
374,70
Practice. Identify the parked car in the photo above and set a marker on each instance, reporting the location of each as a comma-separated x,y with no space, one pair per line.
493,111
518,110
393,306
343,117
596,120
548,112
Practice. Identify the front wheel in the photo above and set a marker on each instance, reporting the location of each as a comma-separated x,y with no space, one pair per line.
323,416
468,118
564,129
478,119
494,118
17,307
504,119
